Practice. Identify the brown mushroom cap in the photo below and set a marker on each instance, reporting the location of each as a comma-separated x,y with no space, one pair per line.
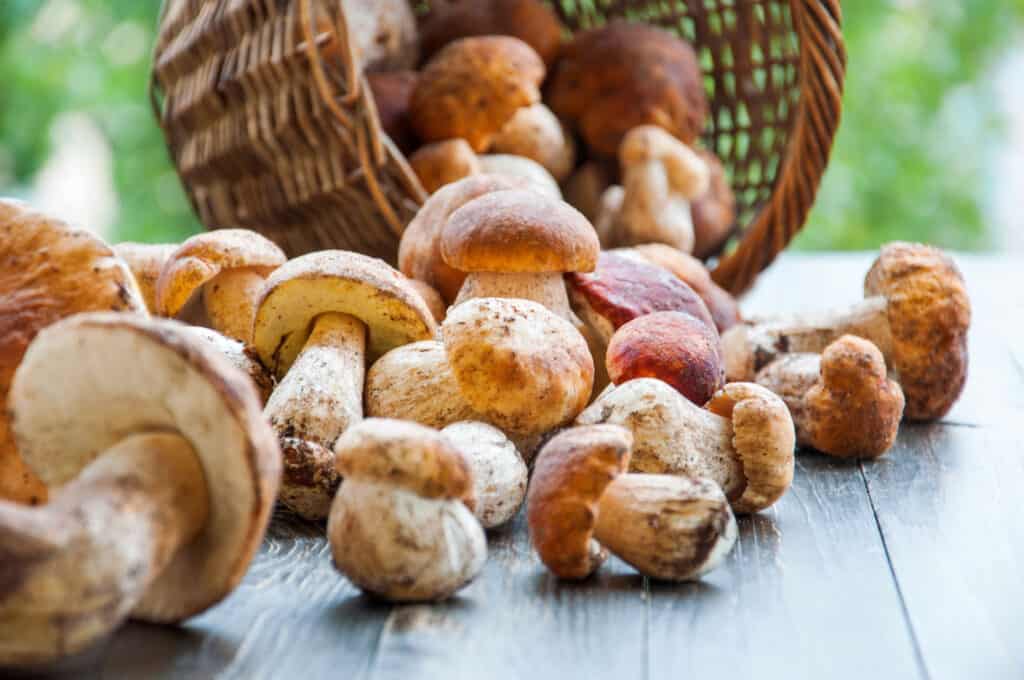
673,347
714,211
929,313
570,475
345,283
146,260
444,162
522,367
407,455
48,271
764,439
529,20
203,256
519,231
621,289
69,407
472,87
392,93
622,75
419,252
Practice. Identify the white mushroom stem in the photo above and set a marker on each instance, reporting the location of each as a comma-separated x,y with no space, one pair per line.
79,565
546,288
230,300
750,347
499,473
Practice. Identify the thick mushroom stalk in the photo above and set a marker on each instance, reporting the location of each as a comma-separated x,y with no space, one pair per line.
841,401
743,440
546,288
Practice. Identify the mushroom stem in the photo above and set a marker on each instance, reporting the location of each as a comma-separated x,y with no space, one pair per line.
75,568
230,300
751,347
547,289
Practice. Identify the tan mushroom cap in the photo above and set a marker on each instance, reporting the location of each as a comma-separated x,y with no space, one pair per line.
419,252
146,260
407,455
345,283
519,231
203,256
764,439
522,367
472,87
929,313
442,163
570,475
48,271
69,407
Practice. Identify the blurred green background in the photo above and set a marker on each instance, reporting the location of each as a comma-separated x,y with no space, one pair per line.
931,147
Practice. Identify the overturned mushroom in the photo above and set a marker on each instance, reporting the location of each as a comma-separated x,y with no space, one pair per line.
743,440
916,311
499,472
444,162
318,318
164,476
402,526
146,260
227,268
841,401
535,132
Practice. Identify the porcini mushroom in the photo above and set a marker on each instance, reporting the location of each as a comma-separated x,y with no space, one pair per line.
916,311
535,132
238,355
499,472
582,502
622,75
585,188
471,88
841,400
519,167
164,476
524,368
401,526
444,162
743,440
517,244
146,260
48,271
383,33
318,319
431,298
227,268
714,211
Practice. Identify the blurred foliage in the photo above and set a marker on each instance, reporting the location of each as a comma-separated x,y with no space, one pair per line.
910,161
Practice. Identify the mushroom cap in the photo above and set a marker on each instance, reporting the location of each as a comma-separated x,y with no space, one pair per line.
341,282
69,407
522,367
499,472
929,313
536,175
764,439
529,20
519,231
723,306
444,162
673,347
241,357
621,289
406,455
48,271
714,211
854,410
392,92
535,132
570,475
419,252
619,76
473,86
146,260
203,256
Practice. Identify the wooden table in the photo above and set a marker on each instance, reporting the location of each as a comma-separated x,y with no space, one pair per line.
910,566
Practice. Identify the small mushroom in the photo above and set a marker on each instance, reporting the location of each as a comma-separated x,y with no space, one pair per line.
392,93
714,211
471,88
673,347
227,268
431,298
318,319
146,260
164,476
525,369
582,502
535,132
517,244
916,311
841,401
743,440
241,357
402,526
48,271
519,167
622,75
499,473
444,162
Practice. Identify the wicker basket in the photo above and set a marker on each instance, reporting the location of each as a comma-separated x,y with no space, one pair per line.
269,135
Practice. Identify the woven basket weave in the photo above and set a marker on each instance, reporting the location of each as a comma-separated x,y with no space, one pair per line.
269,135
